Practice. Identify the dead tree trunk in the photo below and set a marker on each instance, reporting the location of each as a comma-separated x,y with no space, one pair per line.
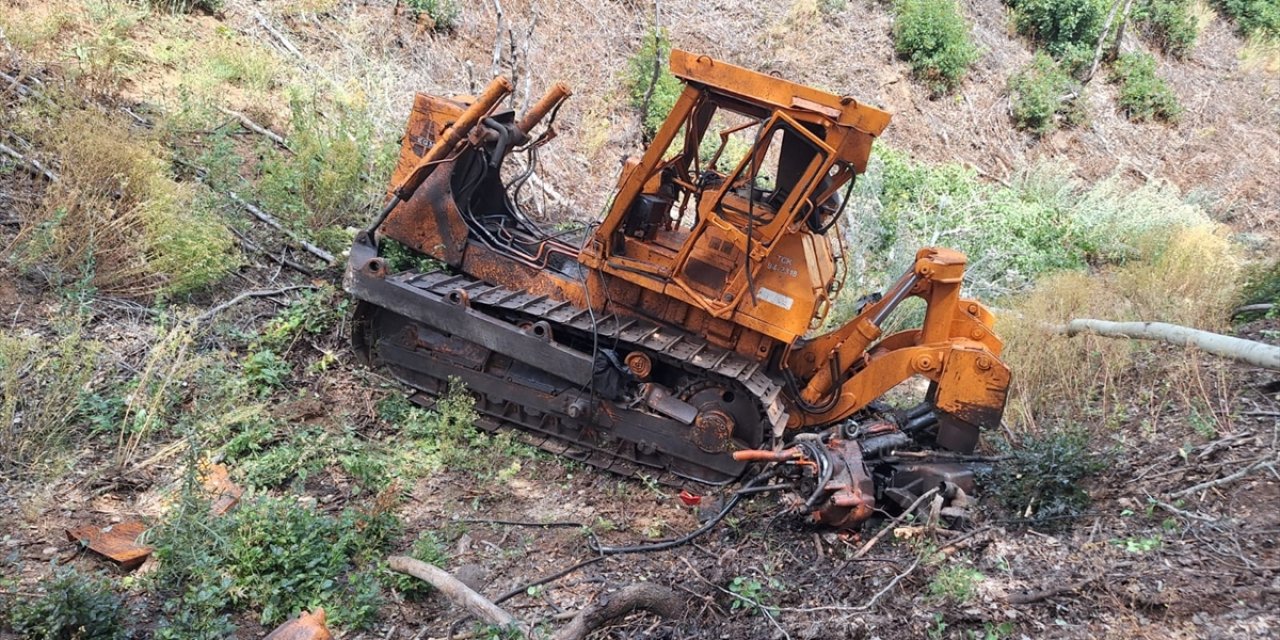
1255,353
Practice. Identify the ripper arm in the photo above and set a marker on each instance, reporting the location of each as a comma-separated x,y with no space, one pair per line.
955,348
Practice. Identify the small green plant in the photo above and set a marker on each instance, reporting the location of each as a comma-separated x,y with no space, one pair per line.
1042,479
1253,17
1170,24
314,313
74,606
1045,96
934,37
1139,544
401,258
752,594
265,371
442,14
651,86
955,583
1143,94
325,182
1068,29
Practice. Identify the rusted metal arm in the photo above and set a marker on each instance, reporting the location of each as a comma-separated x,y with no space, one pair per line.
498,89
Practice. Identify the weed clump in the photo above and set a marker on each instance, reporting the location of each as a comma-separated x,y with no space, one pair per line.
324,183
74,606
186,6
41,395
1045,96
653,95
273,555
934,37
1143,94
117,221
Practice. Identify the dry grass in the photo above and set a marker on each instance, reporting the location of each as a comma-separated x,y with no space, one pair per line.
116,221
41,381
1192,279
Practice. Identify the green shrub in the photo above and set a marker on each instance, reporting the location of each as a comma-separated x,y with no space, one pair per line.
1169,23
1143,94
655,49
314,313
117,220
429,547
1254,17
1044,95
1042,478
74,607
1044,221
934,37
443,14
325,182
1262,284
275,556
1068,29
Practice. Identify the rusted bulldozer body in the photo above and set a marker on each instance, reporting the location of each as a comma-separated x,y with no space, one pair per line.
678,337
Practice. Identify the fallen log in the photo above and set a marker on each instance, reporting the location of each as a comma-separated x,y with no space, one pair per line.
1257,354
639,596
453,589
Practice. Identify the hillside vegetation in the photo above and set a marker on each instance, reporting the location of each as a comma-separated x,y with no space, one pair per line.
1091,163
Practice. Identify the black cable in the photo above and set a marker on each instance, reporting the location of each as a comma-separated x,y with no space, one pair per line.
688,537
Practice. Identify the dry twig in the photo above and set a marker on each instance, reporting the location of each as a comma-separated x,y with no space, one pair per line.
893,523
256,128
245,296
275,224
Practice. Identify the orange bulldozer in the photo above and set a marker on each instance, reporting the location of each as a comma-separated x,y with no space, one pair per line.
680,336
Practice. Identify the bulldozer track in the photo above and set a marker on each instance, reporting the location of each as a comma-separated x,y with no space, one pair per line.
500,406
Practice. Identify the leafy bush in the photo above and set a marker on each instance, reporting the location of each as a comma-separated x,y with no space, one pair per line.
1169,23
325,181
273,555
1044,95
316,312
955,583
1068,29
934,37
443,14
654,51
429,547
1043,222
74,607
1143,94
1254,17
1043,476
1262,284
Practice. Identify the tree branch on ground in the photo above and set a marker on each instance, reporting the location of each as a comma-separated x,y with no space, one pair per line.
256,128
275,224
265,293
1257,354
